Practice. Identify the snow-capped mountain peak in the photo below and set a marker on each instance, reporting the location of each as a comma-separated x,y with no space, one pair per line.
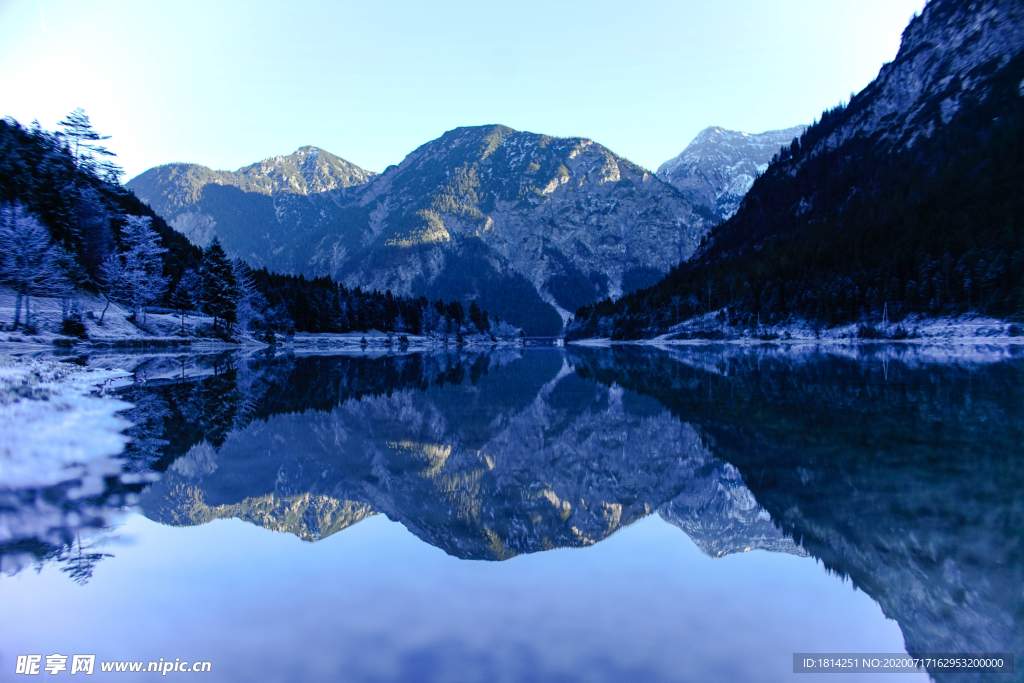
719,166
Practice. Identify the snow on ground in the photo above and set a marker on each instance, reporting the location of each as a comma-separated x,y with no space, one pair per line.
58,425
596,342
47,314
969,328
61,438
167,329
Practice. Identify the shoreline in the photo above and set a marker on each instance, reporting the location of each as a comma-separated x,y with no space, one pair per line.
965,329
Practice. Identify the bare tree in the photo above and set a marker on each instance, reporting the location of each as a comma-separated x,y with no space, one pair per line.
30,263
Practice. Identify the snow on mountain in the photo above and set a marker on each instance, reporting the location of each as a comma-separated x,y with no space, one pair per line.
719,166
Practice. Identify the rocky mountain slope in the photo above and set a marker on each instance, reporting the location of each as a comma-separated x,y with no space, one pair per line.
718,168
255,209
949,58
530,226
577,221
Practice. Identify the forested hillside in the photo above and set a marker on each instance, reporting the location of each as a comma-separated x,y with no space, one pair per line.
907,200
67,226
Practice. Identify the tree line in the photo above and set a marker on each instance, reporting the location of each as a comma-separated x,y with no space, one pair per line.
67,225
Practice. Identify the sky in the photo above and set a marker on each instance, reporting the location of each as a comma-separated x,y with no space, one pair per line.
227,83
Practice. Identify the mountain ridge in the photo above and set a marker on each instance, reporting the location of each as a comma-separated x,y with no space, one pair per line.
530,226
307,170
718,167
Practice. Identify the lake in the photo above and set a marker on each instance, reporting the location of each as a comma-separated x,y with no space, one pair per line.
699,513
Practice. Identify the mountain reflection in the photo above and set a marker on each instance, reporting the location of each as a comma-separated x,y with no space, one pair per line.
485,456
895,468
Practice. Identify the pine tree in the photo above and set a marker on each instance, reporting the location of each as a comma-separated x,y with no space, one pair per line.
456,314
83,141
478,318
220,292
188,294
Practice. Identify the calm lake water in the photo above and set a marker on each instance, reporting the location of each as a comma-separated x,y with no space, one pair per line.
576,514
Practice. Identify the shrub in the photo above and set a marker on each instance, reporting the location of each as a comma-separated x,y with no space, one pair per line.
71,327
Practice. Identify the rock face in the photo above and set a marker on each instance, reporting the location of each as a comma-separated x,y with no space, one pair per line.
256,209
947,59
529,226
577,221
718,168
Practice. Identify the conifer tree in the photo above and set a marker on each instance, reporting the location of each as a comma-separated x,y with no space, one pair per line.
456,314
83,141
188,294
478,318
220,291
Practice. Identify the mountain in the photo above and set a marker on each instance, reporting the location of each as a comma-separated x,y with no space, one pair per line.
718,168
255,209
577,221
309,170
529,226
909,199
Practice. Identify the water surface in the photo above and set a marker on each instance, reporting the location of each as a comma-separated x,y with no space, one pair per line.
548,515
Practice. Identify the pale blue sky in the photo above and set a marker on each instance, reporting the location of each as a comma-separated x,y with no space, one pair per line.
228,83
